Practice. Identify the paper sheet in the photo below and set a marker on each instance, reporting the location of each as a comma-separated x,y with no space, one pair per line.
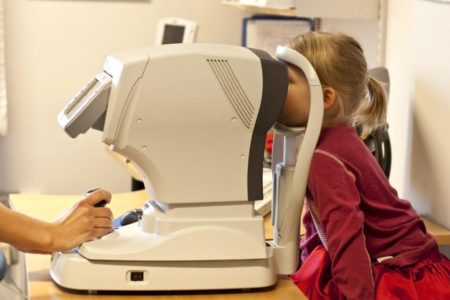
267,34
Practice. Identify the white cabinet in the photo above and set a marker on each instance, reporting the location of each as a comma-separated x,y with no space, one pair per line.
333,9
340,9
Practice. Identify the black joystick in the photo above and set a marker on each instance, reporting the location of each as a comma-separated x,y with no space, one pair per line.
101,203
128,218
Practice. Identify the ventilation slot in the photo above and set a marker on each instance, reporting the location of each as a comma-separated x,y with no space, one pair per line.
230,85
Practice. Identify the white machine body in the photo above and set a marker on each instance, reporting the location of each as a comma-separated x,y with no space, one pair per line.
179,112
192,118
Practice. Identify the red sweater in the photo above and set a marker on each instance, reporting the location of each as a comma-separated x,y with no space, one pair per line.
357,214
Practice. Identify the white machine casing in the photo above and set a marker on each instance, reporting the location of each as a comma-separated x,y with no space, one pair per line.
177,111
192,118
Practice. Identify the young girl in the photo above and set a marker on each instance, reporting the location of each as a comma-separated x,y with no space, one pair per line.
362,241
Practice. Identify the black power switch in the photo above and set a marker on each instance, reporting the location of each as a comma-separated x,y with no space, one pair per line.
136,276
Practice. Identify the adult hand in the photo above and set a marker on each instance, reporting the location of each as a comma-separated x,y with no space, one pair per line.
82,222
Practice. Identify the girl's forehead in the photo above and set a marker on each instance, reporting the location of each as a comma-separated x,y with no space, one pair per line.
295,72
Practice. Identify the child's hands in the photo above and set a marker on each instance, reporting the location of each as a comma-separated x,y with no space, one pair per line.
83,222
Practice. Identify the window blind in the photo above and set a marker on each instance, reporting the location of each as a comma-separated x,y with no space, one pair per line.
3,107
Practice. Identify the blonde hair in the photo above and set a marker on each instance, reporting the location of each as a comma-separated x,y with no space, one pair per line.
340,64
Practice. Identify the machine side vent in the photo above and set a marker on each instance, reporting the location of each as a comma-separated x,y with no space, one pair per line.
234,91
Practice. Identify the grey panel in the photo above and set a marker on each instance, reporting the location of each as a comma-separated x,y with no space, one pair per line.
275,85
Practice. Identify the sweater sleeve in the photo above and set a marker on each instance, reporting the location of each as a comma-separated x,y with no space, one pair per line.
337,200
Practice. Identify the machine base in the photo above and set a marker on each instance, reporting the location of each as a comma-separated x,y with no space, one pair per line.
72,271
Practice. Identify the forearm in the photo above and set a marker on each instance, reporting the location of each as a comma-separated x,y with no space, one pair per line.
23,232
352,269
339,214
351,263
81,223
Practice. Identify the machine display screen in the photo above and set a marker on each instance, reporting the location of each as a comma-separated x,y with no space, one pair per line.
173,34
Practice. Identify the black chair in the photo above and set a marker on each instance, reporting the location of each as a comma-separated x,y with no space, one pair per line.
378,141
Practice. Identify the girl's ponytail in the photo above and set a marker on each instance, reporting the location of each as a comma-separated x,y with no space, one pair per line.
372,113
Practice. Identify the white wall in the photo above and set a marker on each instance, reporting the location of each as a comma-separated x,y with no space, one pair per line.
366,32
52,49
419,114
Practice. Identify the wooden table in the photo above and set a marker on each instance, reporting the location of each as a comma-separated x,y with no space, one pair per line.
440,234
48,207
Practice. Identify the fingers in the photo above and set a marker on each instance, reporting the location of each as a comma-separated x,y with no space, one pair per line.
96,196
103,212
101,226
102,223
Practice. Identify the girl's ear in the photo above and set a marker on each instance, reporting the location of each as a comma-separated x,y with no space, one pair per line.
329,97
